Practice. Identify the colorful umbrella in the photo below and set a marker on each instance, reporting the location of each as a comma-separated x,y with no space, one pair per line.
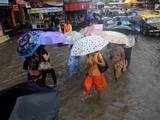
50,38
72,37
88,45
91,30
27,43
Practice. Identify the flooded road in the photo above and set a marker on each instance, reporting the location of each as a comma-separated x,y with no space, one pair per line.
135,97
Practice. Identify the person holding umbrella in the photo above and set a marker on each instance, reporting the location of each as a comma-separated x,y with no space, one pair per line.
90,46
94,77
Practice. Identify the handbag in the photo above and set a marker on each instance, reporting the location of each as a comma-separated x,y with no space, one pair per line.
44,65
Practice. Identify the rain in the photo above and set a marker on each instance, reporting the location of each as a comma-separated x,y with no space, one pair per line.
93,60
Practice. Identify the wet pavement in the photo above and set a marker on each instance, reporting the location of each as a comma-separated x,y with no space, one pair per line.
135,97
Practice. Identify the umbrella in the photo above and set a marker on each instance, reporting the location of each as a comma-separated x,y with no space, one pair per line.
91,30
72,37
114,37
50,38
27,43
88,45
124,29
37,106
118,38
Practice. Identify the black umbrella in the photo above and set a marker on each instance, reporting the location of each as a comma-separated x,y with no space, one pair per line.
38,106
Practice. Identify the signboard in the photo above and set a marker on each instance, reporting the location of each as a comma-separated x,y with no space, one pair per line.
53,2
78,6
4,2
45,10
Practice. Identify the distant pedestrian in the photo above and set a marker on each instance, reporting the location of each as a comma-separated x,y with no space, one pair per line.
67,27
128,52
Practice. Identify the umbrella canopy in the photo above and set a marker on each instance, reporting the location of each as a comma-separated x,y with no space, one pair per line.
124,29
72,37
118,38
51,38
91,30
38,106
27,43
88,45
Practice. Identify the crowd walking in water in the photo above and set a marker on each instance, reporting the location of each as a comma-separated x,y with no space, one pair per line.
115,59
92,60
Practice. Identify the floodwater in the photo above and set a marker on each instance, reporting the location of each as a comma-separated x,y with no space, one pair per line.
135,97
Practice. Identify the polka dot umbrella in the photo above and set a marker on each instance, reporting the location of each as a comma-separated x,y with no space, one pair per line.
27,43
87,45
72,37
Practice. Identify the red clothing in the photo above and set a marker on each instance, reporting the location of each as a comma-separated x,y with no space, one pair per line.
99,82
67,28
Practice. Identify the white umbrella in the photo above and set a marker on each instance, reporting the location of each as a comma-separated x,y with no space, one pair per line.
88,45
114,37
72,37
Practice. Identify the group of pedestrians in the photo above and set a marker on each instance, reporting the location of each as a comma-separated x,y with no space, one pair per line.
38,67
100,66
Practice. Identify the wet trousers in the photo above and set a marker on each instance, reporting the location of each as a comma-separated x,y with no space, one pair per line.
99,82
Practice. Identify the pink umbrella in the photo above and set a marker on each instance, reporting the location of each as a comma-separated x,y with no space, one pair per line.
91,30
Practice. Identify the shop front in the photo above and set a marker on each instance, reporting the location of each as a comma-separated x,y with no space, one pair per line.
5,20
48,16
76,11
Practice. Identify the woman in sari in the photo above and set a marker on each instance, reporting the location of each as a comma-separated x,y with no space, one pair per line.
94,78
118,61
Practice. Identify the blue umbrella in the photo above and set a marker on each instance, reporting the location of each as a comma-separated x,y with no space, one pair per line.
51,38
27,43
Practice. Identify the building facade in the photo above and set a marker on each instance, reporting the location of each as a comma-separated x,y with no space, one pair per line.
76,10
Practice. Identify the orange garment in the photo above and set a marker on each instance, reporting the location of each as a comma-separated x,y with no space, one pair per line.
67,28
99,82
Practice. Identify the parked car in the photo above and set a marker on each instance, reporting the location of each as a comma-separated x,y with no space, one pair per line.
122,21
150,22
151,26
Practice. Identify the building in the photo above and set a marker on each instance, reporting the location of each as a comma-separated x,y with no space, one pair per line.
46,13
75,9
5,20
